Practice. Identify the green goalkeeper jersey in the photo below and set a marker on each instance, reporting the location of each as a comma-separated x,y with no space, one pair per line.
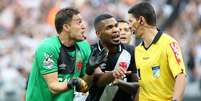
52,57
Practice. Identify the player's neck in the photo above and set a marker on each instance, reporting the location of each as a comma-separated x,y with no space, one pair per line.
149,35
111,47
66,40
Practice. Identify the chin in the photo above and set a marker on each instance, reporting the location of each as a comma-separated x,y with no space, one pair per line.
78,40
116,43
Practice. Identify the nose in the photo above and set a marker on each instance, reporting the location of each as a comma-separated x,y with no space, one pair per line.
84,25
116,30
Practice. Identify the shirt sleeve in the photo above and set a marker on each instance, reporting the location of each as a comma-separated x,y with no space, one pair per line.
46,60
175,59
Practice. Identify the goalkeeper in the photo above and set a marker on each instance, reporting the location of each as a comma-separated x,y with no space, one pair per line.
60,61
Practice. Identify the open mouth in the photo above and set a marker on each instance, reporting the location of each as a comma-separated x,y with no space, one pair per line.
83,34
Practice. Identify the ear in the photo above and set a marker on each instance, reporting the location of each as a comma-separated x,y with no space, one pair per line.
66,27
142,20
98,34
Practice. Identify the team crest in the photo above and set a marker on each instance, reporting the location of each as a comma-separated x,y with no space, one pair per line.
48,61
79,65
156,71
124,65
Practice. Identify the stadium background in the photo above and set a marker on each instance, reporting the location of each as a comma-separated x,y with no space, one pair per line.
24,23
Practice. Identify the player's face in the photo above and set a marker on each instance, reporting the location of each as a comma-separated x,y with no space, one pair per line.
77,28
109,33
125,32
134,24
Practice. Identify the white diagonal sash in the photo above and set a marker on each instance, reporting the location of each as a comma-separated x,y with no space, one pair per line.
110,91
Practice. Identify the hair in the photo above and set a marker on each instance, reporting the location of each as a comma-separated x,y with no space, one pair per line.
63,16
146,10
101,17
121,20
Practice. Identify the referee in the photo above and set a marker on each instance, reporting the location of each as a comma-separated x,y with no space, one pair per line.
158,58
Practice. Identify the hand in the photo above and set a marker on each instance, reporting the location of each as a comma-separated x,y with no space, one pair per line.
120,73
96,58
79,84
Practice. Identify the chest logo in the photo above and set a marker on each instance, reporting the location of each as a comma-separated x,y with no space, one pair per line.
79,65
145,58
124,65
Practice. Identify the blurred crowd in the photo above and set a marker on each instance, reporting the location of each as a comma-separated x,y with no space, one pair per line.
24,23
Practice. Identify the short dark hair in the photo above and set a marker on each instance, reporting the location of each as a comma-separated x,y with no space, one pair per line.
63,16
146,10
101,17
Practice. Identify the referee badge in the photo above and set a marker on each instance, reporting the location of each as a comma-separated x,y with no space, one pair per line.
156,71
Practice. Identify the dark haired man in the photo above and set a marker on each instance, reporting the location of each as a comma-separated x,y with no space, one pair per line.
114,79
158,58
60,61
125,32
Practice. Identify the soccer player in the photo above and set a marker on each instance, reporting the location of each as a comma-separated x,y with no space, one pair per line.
60,61
114,79
125,32
158,58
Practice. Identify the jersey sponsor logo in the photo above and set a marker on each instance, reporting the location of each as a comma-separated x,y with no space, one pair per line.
79,65
156,71
176,52
48,61
145,58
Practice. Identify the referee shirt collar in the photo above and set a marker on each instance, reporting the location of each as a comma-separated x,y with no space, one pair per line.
156,38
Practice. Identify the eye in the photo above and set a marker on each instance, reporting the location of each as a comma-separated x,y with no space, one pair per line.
109,27
126,29
116,25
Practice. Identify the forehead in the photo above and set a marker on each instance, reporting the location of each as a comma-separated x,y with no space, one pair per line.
123,24
130,16
106,22
76,17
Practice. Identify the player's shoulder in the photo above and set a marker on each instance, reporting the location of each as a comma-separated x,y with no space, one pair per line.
49,43
128,47
83,44
168,39
84,47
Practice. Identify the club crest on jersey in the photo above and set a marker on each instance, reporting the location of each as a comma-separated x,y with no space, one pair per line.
124,65
48,61
156,71
175,49
79,65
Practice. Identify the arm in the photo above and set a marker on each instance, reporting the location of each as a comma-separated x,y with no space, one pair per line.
137,95
57,87
179,87
129,87
53,84
102,78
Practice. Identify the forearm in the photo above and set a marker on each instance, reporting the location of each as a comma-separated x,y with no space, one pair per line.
58,87
54,85
129,87
104,78
179,87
